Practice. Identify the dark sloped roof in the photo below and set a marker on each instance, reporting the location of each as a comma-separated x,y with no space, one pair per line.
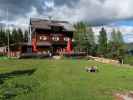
47,24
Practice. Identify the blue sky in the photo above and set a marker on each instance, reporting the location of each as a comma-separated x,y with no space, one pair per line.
127,35
123,22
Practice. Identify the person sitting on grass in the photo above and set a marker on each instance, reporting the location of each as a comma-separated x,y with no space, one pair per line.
92,69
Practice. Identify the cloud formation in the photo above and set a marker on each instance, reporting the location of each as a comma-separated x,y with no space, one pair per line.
95,12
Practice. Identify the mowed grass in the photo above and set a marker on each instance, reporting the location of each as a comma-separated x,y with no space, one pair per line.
66,80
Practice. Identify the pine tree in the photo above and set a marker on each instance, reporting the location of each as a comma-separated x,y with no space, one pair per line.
120,37
25,37
90,41
84,37
121,46
113,37
79,35
116,45
102,40
14,37
3,38
20,35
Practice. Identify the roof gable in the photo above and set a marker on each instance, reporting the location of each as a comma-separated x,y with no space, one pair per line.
48,24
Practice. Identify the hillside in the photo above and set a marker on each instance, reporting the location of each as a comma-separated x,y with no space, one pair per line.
62,80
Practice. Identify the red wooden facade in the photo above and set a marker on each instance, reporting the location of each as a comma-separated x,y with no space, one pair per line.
54,42
46,36
50,35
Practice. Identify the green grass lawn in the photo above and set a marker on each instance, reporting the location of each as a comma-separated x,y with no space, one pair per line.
64,80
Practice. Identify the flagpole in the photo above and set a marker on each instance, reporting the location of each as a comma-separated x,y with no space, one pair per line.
8,36
29,34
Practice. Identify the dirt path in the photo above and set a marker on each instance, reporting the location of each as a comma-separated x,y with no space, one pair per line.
124,96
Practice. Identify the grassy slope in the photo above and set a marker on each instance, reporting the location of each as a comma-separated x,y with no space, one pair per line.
67,79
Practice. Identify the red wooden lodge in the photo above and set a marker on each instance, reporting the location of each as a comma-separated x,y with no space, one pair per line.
47,36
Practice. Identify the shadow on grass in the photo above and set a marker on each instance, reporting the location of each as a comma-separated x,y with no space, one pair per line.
9,91
4,76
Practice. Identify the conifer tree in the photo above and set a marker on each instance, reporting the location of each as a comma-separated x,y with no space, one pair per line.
102,41
25,37
116,46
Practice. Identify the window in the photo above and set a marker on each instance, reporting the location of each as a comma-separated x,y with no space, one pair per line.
55,38
44,38
66,38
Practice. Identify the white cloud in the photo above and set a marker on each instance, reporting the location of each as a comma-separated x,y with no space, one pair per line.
92,10
120,8
49,4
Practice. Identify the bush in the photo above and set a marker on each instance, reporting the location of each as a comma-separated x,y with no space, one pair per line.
128,60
